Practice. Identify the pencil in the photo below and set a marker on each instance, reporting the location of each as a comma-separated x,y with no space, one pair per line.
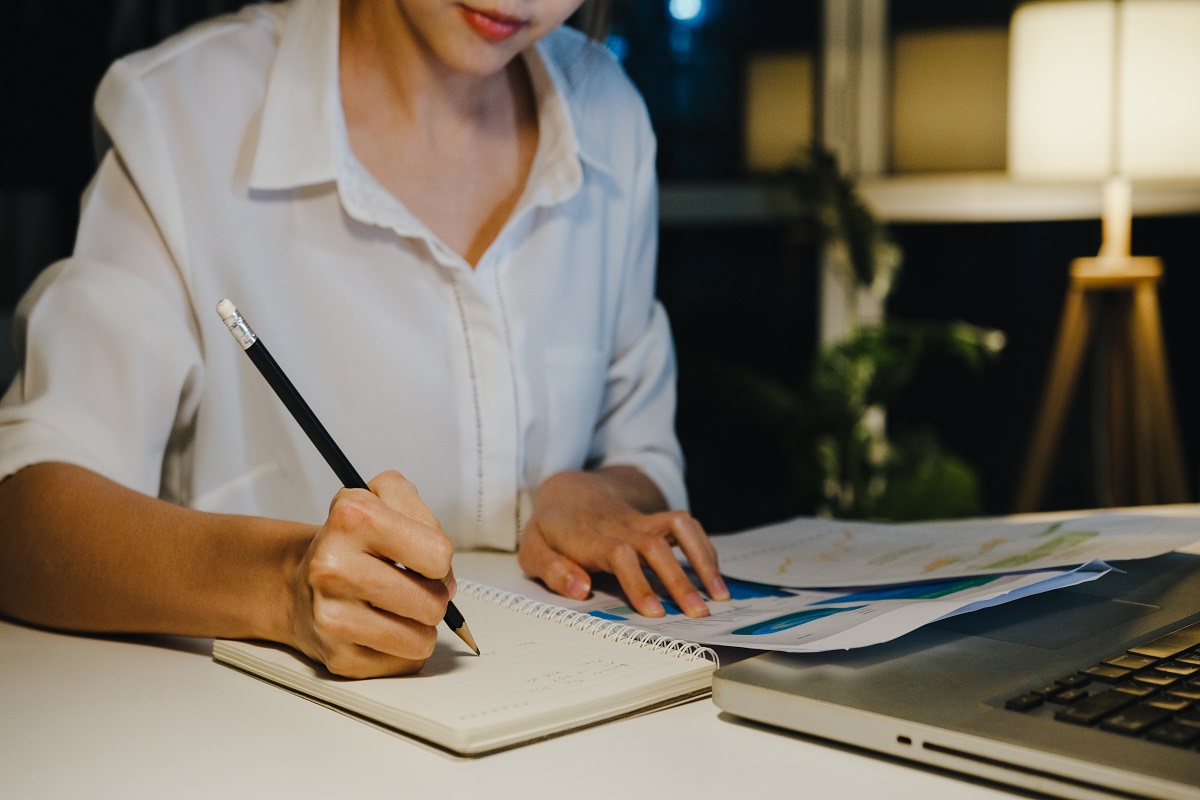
312,426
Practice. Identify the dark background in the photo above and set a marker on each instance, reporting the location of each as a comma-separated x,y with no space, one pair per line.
745,294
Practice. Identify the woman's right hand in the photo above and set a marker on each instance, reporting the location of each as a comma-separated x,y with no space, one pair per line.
351,607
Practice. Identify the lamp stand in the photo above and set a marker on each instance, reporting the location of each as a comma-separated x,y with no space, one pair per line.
1143,461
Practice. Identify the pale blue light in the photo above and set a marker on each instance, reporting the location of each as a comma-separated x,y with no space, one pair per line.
685,10
618,45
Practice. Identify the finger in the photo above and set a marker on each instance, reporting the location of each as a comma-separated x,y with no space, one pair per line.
398,637
403,593
390,534
362,578
559,573
401,494
358,640
357,662
659,557
626,564
700,552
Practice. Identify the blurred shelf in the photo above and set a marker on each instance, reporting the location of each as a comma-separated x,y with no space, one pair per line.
959,197
697,204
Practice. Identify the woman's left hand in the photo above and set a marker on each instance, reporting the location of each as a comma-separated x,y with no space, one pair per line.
587,522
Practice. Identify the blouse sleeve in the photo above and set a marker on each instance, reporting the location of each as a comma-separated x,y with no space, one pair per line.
108,354
637,423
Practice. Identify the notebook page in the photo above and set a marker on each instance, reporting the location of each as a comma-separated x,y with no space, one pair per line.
533,675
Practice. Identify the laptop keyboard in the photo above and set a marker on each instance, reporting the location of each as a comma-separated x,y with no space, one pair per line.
1151,691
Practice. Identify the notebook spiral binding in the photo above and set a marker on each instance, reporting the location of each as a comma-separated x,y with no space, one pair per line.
607,628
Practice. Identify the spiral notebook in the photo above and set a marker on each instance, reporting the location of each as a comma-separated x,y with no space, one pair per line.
543,670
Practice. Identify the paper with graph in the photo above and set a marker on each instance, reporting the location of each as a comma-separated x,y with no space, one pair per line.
811,553
809,621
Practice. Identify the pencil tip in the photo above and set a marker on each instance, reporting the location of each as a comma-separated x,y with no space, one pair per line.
464,633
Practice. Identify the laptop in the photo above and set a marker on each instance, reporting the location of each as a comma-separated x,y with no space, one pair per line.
1087,692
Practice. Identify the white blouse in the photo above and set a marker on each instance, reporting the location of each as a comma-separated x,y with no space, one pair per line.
228,174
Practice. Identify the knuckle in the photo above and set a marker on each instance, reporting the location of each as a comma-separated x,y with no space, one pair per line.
394,481
325,571
623,551
426,640
655,546
330,621
682,521
433,608
347,666
442,552
350,510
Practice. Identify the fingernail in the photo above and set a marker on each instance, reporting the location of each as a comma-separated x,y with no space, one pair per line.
652,608
693,605
720,590
578,587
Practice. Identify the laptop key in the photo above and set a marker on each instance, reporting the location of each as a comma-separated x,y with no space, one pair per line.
1068,696
1181,668
1135,720
1106,674
1170,703
1074,679
1091,709
1131,661
1156,678
1136,689
1048,691
1189,690
1189,718
1023,702
1170,645
1174,733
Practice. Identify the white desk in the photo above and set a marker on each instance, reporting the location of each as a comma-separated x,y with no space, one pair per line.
97,717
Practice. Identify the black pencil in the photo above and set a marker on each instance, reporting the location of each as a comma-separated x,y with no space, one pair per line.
312,426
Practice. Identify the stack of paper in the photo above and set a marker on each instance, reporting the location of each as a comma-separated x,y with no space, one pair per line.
809,585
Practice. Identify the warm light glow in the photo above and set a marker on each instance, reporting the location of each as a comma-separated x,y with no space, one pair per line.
949,91
1101,88
779,110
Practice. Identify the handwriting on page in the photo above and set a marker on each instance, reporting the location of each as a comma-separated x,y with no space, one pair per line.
587,671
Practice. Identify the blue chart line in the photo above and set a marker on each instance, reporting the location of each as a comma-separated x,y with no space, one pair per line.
738,590
789,621
743,590
920,591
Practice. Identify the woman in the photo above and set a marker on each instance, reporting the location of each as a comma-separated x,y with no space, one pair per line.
442,218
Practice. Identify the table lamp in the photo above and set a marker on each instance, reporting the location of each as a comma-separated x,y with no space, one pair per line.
1108,91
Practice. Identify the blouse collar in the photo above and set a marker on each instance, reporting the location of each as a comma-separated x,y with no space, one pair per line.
302,135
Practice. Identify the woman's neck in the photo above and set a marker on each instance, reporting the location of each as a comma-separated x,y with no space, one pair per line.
454,146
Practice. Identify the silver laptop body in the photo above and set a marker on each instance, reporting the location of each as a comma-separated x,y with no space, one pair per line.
938,695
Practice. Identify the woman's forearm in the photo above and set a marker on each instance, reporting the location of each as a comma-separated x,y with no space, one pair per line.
80,552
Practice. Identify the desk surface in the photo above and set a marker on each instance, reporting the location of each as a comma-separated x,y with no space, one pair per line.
88,717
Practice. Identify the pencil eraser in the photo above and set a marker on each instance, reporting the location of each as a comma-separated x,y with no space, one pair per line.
226,308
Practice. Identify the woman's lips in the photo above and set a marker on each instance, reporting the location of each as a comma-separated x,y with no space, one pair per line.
491,25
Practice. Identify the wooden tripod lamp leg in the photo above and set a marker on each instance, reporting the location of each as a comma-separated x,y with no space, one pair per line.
1162,426
1069,351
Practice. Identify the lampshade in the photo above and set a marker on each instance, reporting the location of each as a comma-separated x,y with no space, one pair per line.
1102,88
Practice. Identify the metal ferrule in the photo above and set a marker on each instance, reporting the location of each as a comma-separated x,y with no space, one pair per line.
240,330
